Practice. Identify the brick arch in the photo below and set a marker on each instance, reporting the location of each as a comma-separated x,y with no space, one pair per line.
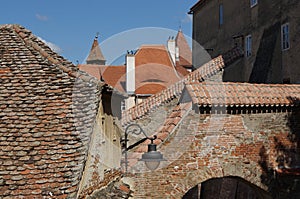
248,171
235,187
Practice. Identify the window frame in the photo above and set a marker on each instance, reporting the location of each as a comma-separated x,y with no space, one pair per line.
285,37
248,45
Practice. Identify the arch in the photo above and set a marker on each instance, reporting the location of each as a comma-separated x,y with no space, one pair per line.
249,171
226,187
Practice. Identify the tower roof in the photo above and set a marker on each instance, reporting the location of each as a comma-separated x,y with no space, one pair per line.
96,56
184,50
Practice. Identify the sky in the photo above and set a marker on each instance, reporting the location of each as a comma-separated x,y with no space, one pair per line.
69,26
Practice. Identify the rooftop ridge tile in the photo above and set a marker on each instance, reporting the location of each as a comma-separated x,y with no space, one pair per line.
236,94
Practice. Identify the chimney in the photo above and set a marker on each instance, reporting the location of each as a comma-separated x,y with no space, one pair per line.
130,73
177,53
172,49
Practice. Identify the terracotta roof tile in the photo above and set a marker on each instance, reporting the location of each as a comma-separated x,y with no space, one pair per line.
47,111
229,94
205,71
155,54
152,63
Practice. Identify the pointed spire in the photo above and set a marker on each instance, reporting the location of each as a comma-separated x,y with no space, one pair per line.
96,56
185,53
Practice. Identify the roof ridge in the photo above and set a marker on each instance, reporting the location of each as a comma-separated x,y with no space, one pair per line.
205,71
25,35
240,94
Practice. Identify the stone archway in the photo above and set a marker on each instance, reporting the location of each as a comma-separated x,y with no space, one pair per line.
226,187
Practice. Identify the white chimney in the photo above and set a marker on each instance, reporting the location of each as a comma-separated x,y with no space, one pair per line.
172,49
130,73
177,53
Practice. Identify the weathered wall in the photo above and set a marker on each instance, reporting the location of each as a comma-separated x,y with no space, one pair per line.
153,120
104,150
240,20
212,146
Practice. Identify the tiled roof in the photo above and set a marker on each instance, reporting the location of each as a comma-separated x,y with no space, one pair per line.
175,90
185,52
229,94
47,111
111,75
152,63
149,88
153,54
182,71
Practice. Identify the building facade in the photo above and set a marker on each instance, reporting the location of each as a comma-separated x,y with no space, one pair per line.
266,30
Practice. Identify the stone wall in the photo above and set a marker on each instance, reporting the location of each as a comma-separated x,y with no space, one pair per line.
213,146
268,63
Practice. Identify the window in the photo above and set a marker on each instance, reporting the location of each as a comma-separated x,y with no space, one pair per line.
285,38
248,46
253,3
221,14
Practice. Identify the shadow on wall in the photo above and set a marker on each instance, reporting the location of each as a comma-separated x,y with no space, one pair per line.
284,182
226,187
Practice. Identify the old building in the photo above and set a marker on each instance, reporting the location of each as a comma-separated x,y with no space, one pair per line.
55,139
267,30
220,139
144,71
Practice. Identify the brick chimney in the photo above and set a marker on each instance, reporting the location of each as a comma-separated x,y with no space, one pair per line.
172,49
130,73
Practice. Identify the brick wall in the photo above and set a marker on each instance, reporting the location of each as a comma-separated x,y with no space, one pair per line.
210,146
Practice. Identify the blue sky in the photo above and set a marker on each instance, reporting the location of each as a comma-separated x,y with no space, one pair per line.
72,25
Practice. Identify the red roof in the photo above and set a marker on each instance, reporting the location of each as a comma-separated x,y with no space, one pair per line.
208,94
153,54
149,88
202,73
152,64
111,75
185,52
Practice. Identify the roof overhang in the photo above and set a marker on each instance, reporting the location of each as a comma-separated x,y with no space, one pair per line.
196,6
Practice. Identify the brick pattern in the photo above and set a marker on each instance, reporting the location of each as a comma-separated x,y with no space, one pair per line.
219,146
47,111
163,133
109,177
229,94
174,91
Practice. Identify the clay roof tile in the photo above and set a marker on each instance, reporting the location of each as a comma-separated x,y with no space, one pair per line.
43,139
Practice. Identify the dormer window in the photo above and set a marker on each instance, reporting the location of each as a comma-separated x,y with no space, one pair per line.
253,3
